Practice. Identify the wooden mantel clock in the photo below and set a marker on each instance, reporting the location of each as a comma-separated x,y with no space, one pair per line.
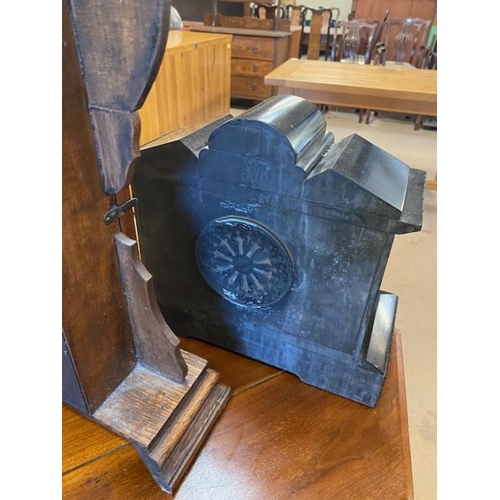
122,364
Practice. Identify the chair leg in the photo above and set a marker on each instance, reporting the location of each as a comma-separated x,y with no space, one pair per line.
361,114
368,115
418,122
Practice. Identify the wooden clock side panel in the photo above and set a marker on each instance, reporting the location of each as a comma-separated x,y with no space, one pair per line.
94,313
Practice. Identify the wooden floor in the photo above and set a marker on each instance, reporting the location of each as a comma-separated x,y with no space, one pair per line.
277,439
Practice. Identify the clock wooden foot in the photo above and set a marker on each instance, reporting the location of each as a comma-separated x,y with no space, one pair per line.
165,422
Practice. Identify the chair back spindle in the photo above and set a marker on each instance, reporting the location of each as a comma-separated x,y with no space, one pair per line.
316,31
405,40
355,40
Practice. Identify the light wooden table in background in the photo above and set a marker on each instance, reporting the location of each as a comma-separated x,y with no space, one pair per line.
384,88
399,89
278,438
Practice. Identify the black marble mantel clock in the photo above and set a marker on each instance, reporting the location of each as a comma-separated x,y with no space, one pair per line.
267,237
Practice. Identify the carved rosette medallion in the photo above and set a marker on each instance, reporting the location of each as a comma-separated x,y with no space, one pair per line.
244,261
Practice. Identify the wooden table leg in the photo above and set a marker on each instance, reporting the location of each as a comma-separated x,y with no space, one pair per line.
433,184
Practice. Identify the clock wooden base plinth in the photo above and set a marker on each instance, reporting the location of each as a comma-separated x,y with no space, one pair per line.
165,421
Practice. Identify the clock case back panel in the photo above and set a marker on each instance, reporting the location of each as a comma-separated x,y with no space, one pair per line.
333,206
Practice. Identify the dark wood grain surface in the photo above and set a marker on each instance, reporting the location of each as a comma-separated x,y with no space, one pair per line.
122,365
92,297
278,438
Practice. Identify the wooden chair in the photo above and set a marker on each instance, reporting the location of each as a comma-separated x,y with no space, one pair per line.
267,11
404,43
429,61
356,41
294,14
316,31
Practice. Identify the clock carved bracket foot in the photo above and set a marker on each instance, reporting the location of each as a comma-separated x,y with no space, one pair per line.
166,422
170,400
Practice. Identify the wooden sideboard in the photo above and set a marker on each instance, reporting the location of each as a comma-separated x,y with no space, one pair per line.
192,87
255,53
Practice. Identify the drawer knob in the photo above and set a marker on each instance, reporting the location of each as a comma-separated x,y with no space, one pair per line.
255,50
253,86
255,68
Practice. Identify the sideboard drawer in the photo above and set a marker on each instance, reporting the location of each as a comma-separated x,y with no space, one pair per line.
254,54
250,88
252,47
251,67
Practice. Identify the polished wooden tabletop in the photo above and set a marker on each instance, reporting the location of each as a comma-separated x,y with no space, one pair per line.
392,88
277,439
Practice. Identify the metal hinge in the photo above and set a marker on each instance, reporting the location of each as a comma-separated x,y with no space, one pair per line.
116,211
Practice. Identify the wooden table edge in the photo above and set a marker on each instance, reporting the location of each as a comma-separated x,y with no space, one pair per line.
403,404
